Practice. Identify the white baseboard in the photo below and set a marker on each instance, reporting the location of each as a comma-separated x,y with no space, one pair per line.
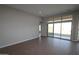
16,42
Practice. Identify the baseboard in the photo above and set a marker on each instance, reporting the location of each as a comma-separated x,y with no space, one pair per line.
16,42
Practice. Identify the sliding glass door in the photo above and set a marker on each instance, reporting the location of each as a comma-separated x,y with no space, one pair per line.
57,27
66,30
60,30
60,27
50,29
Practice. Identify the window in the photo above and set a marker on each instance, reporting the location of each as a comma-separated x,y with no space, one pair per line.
60,26
66,30
57,27
50,29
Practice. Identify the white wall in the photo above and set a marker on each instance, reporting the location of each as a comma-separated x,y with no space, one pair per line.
17,26
75,22
74,28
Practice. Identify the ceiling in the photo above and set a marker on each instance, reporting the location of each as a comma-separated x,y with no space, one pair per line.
45,9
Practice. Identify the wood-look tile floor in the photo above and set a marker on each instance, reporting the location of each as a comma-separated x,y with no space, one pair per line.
43,46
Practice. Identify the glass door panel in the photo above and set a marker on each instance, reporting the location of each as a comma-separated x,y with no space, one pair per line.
57,27
50,29
66,30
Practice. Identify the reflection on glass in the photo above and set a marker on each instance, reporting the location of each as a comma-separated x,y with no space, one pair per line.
50,29
57,27
66,30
